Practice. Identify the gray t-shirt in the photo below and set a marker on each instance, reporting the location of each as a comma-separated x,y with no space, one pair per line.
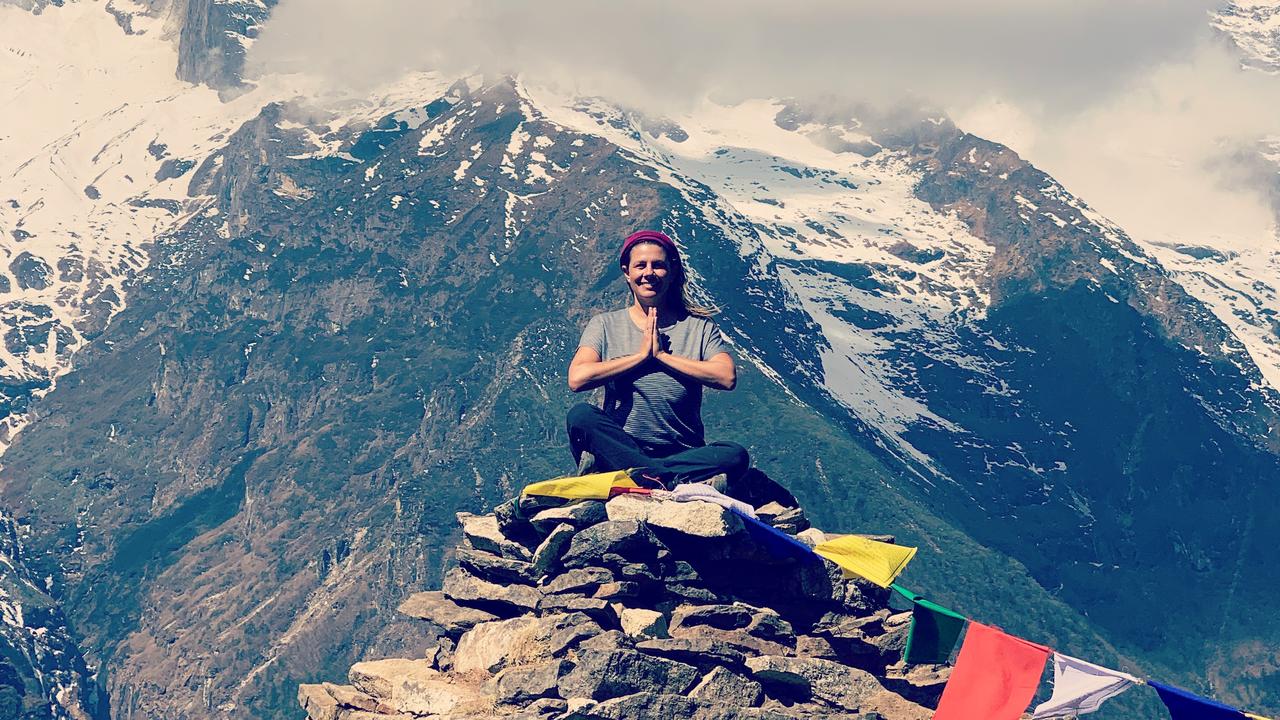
659,409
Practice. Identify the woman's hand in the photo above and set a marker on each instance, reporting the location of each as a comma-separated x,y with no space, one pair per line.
650,346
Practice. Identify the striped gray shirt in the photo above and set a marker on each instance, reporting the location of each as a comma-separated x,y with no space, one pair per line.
659,409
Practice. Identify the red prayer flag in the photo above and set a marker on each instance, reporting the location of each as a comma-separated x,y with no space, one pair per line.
995,676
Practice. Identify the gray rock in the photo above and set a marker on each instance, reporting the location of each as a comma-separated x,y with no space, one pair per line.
722,617
921,684
640,705
547,557
503,600
483,533
691,593
495,568
514,525
523,684
349,697
437,609
837,685
581,581
768,625
317,702
579,515
614,673
492,646
724,688
620,590
412,686
699,519
542,709
700,652
641,623
629,540
597,610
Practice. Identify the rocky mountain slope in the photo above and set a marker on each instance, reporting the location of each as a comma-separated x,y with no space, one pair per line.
355,323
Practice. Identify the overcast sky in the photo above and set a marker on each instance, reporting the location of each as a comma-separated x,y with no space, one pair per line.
1125,102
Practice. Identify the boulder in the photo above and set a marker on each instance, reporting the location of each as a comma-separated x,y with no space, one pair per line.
412,686
640,705
437,609
599,544
724,688
522,684
597,610
483,533
618,590
579,515
698,519
601,675
546,557
503,600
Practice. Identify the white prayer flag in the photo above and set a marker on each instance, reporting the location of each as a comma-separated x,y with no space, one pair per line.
1080,687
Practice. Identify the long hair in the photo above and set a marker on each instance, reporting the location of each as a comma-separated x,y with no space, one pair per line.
679,283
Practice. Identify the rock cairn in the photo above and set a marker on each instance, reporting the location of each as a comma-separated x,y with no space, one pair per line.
640,608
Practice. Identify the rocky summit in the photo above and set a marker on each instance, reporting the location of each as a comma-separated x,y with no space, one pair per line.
641,608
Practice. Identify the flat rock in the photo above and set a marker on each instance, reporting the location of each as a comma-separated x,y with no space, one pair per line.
546,558
412,686
514,525
491,646
626,539
721,617
579,515
837,685
349,697
921,684
614,673
504,600
640,705
724,688
597,610
495,568
699,519
483,533
581,581
437,609
317,702
522,684
699,652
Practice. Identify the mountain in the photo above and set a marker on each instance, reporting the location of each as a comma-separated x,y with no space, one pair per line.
330,328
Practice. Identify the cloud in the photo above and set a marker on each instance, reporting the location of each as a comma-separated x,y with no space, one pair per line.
1123,101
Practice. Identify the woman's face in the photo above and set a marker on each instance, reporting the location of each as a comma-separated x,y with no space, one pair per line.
647,272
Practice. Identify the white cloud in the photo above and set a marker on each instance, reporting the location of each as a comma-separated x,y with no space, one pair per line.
1131,104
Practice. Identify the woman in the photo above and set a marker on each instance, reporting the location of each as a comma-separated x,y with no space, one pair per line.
653,358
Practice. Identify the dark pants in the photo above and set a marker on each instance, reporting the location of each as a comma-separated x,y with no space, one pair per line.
590,429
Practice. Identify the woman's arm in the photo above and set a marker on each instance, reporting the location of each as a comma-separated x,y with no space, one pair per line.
588,371
717,372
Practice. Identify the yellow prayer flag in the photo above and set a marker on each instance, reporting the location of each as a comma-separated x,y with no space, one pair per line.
876,561
1251,716
582,487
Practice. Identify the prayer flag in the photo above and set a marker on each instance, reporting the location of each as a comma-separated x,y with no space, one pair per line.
582,487
1080,687
934,630
995,676
1251,716
876,561
1184,705
778,542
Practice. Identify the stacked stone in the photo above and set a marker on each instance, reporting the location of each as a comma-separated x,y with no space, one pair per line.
639,608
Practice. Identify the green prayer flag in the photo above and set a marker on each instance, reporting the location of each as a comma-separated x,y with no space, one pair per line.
934,630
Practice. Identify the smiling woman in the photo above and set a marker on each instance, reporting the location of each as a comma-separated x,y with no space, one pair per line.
653,358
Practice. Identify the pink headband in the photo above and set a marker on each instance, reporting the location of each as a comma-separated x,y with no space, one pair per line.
650,236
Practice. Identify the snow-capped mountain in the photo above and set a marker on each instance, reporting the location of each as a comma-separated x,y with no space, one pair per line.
1254,27
302,335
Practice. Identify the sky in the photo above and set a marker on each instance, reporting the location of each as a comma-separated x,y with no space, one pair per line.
1134,105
